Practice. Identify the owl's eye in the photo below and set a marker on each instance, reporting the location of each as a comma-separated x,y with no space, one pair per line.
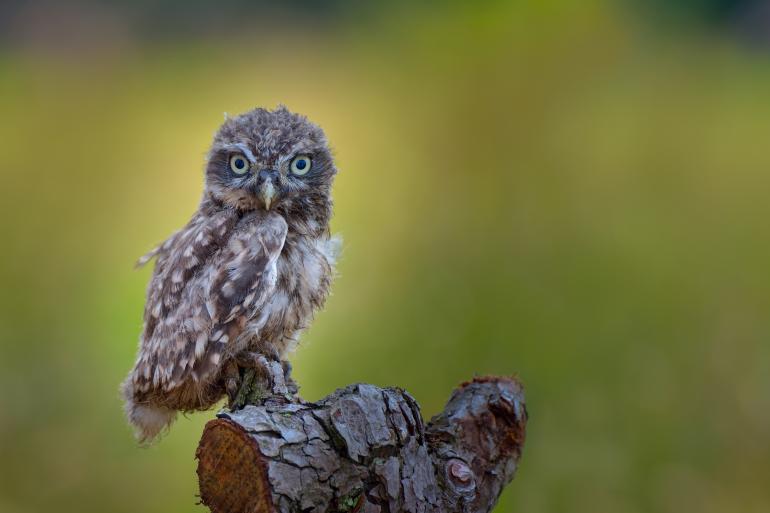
239,164
300,165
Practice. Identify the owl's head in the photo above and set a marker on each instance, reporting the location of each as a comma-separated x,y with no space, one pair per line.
272,160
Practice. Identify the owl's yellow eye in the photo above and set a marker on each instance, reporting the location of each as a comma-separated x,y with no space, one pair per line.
300,165
239,164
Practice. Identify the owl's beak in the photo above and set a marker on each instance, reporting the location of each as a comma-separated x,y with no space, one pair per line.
267,192
266,189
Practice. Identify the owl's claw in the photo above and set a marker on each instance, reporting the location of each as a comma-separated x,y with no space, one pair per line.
290,383
251,360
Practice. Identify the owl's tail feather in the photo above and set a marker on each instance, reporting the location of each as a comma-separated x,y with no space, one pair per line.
148,420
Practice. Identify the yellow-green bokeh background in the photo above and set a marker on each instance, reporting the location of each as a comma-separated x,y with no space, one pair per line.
554,189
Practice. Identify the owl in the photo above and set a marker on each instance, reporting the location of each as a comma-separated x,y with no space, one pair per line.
246,274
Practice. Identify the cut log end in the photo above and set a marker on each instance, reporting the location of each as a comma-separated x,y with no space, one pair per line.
232,474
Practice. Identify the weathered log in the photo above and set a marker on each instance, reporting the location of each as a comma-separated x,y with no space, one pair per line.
365,449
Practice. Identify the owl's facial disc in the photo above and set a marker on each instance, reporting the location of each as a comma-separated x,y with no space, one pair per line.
272,160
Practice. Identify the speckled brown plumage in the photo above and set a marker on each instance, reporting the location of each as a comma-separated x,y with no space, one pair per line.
246,273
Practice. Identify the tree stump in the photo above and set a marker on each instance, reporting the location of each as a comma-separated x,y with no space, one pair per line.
365,449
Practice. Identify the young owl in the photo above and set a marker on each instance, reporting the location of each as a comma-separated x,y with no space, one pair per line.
244,276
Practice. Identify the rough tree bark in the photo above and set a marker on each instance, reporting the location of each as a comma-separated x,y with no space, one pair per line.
365,449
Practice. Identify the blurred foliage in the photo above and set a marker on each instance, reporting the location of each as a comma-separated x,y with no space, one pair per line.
714,11
541,188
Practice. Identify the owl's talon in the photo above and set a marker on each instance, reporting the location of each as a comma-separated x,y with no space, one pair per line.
291,385
252,360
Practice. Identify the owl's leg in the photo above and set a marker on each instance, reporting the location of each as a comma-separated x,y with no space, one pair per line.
262,378
232,379
271,370
246,389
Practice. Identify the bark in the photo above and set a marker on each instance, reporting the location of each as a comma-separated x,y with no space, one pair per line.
365,449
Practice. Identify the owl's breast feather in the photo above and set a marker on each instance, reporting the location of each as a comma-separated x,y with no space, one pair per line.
305,271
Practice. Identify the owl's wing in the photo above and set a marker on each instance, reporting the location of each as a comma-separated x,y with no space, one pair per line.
206,286
179,259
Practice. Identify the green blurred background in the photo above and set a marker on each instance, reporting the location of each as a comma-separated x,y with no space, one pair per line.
576,191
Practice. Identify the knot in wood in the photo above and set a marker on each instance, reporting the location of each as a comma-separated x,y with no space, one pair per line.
460,476
460,471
